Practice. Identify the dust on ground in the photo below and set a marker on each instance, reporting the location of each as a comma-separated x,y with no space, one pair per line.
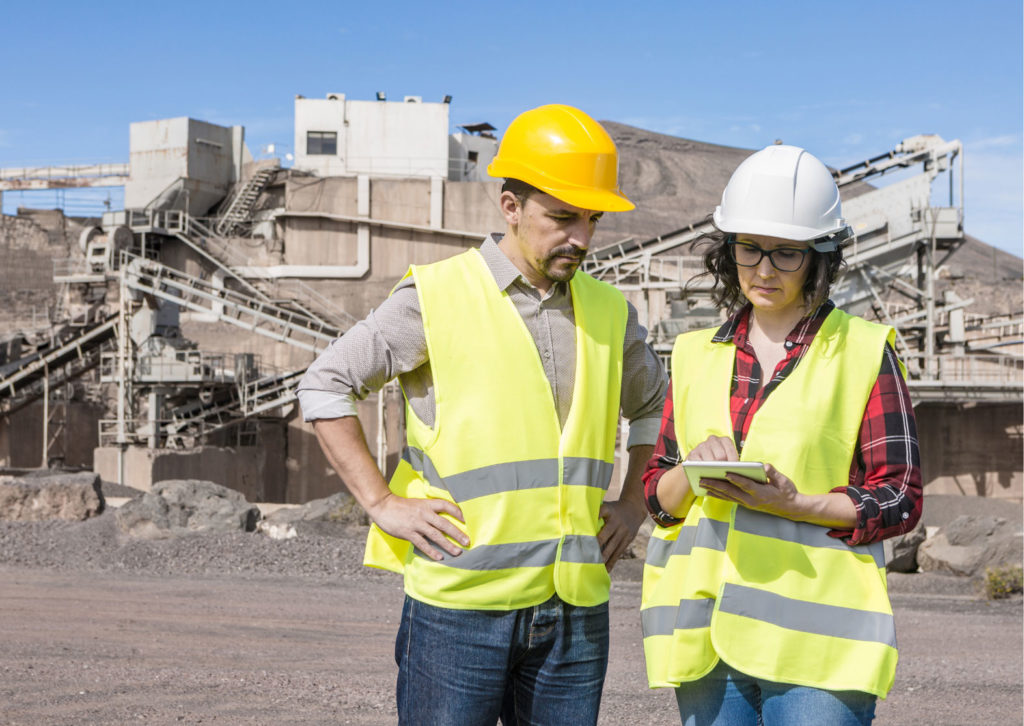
242,629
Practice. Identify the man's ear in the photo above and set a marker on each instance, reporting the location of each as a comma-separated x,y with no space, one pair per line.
510,208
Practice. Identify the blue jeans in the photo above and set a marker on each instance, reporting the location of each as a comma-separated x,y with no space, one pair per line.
542,665
726,697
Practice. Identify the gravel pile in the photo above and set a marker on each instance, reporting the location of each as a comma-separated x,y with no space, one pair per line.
324,551
97,545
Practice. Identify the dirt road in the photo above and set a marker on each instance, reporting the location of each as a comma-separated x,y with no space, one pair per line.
105,648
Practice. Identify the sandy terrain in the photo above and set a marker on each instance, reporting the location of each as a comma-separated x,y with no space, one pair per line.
241,629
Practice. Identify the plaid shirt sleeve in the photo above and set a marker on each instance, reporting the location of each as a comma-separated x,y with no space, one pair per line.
885,475
665,456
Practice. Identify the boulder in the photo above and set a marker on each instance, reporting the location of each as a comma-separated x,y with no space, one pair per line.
187,505
970,544
972,531
1004,551
901,550
203,505
340,508
333,516
144,517
50,495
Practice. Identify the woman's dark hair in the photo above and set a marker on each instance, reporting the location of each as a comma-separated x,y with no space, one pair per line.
718,262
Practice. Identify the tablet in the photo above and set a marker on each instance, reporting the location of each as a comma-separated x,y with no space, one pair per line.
696,470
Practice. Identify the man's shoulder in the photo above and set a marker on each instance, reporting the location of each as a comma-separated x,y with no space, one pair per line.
466,258
599,287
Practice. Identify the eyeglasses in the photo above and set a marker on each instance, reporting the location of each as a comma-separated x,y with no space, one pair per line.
783,259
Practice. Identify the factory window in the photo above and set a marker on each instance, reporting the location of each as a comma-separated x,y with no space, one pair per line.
321,142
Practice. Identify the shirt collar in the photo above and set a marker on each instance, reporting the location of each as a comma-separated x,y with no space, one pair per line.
734,330
503,269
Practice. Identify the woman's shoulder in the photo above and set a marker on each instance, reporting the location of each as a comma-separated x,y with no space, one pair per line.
849,323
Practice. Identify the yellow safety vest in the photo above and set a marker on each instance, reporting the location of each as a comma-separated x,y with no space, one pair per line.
773,598
530,491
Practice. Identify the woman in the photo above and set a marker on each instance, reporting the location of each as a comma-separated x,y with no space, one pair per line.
765,603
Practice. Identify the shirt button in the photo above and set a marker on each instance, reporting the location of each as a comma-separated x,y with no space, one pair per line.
789,344
906,515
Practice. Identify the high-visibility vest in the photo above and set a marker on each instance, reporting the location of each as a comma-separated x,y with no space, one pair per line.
773,598
530,490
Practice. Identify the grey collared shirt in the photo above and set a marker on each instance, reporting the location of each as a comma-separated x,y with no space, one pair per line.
390,343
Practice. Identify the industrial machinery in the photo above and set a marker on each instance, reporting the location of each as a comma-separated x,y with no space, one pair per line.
901,242
121,301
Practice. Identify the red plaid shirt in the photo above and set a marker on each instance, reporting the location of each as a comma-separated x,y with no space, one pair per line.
885,474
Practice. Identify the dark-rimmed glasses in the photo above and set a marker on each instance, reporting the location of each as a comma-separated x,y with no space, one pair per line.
783,259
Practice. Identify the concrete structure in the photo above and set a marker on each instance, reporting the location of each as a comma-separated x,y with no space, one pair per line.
338,137
182,163
971,449
258,472
63,177
470,151
188,334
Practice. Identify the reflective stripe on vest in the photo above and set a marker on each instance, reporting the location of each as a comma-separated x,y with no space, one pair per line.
528,488
510,476
788,603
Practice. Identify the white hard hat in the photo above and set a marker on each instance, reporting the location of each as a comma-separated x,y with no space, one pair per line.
783,191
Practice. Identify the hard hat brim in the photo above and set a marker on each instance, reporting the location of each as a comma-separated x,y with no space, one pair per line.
794,232
593,199
598,200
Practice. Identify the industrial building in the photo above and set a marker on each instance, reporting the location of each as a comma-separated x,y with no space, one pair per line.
164,340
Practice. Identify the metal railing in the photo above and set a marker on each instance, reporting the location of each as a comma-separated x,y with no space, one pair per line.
255,314
185,367
970,370
199,234
142,431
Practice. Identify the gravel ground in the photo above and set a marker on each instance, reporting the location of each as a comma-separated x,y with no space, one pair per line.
243,629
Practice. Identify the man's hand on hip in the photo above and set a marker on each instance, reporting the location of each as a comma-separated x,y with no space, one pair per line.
417,520
420,522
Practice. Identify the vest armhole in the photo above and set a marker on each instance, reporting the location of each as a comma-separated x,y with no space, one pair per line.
414,272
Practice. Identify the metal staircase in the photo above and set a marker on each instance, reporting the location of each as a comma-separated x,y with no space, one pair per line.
287,312
239,210
200,237
270,392
228,400
251,312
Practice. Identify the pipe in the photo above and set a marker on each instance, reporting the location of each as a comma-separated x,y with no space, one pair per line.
46,415
364,222
386,224
360,268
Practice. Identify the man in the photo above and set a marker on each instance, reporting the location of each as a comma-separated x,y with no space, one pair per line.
513,367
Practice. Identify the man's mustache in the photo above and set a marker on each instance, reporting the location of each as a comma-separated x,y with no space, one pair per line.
568,251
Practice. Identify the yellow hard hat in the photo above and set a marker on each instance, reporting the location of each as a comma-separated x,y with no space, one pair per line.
564,153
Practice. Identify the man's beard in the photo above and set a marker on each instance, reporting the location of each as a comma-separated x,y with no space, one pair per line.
558,256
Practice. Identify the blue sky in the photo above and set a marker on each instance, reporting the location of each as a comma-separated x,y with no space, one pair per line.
846,80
